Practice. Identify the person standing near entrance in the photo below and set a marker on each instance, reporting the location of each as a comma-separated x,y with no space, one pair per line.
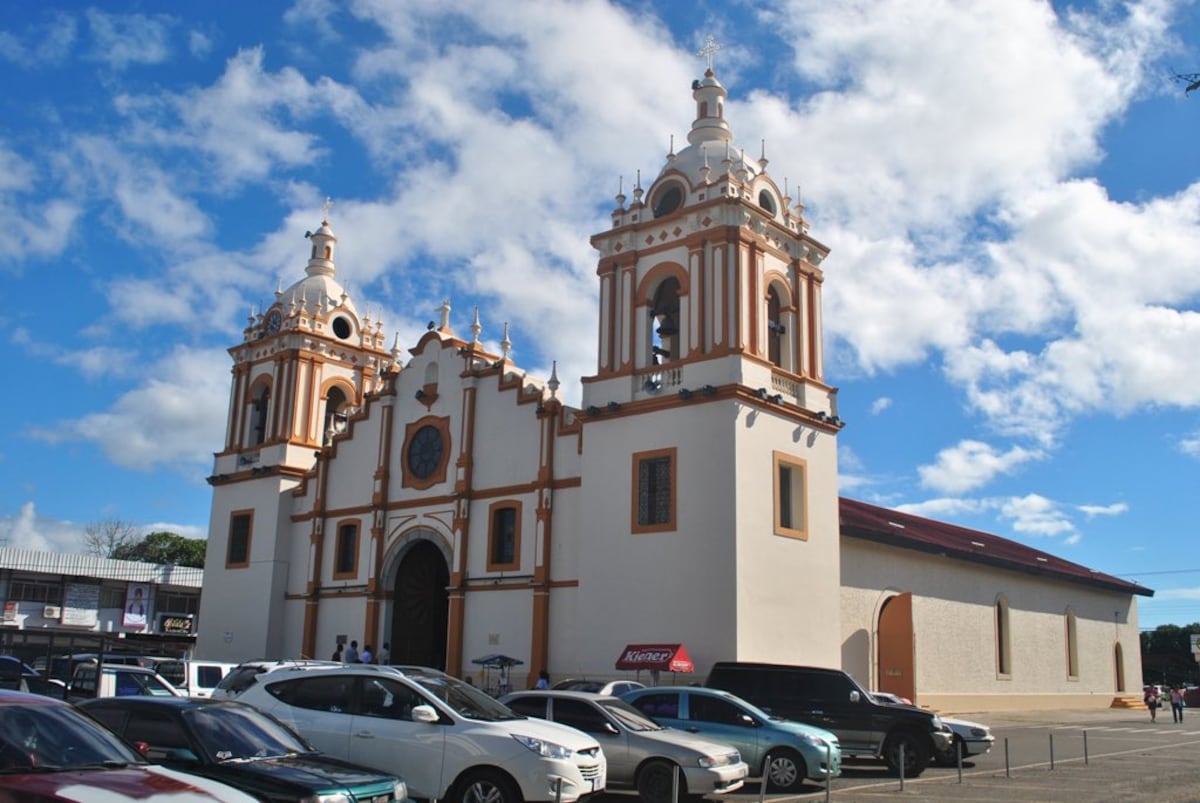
385,654
1177,703
350,654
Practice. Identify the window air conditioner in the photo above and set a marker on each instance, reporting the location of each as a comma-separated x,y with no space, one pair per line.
52,612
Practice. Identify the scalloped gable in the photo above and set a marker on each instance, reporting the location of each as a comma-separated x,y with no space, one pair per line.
903,530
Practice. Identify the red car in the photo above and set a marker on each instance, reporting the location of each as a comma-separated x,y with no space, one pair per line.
50,751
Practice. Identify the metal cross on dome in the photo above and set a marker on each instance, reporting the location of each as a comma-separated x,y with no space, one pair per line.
711,46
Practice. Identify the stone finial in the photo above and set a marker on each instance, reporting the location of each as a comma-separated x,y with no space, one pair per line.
445,309
476,326
505,344
553,382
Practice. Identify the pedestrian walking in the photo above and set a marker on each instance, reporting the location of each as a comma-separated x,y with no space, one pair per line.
1177,703
1151,699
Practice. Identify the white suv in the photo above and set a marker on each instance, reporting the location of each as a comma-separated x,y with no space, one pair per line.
449,740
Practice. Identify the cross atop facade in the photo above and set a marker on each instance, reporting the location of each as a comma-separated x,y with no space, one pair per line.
325,209
710,46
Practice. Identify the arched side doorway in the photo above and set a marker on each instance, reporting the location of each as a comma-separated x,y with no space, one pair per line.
896,664
420,606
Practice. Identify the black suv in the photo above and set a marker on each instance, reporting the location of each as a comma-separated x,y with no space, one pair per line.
831,699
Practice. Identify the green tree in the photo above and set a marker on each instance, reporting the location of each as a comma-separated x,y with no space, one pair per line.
164,547
1167,654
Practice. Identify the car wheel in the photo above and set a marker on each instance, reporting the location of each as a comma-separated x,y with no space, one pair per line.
916,753
654,782
486,786
785,771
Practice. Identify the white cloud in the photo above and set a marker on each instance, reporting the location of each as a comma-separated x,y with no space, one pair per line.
27,531
172,420
1115,509
124,39
1034,514
972,464
880,404
1177,594
1190,445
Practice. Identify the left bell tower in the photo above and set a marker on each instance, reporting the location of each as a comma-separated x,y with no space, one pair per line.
303,369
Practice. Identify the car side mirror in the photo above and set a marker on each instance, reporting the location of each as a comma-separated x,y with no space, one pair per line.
610,729
424,713
855,697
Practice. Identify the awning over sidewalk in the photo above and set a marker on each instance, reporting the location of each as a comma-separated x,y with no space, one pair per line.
669,657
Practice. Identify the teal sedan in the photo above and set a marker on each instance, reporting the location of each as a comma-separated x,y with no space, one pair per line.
782,752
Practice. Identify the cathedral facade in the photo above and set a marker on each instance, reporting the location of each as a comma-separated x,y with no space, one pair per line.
443,501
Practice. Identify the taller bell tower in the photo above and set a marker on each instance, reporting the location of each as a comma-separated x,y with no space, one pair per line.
304,368
710,435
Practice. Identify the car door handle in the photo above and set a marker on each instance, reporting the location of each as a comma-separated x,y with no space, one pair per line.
692,729
365,735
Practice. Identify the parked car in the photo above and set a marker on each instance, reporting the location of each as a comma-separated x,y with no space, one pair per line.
831,699
241,746
193,677
613,688
245,674
642,754
62,667
51,751
784,753
17,675
975,739
448,740
117,680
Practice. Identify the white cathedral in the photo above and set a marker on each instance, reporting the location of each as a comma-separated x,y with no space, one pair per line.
447,503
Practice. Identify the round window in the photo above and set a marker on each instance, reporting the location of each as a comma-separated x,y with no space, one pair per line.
668,200
341,328
767,201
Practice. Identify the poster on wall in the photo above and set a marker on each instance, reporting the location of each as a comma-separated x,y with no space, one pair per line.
137,598
10,613
81,604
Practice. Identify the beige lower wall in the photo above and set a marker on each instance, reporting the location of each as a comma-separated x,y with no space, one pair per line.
968,704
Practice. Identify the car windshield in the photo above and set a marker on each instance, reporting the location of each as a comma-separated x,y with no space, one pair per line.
629,716
48,738
464,699
239,732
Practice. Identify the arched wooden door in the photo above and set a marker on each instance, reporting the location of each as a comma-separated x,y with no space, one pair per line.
896,668
420,607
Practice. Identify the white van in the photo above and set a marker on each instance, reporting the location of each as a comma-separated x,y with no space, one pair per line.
118,680
194,678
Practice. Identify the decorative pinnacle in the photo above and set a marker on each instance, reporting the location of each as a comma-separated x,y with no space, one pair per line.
505,344
553,383
476,327
325,209
445,315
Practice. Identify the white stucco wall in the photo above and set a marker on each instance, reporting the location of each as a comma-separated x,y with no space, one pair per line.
955,635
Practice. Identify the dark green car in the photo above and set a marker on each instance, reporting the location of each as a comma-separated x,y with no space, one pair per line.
241,746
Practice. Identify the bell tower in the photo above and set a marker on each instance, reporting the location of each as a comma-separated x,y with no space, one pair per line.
302,371
709,433
709,277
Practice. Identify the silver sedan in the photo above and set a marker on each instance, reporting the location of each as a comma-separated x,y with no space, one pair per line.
642,754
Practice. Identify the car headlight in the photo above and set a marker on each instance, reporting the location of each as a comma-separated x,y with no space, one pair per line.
333,797
810,740
400,790
937,723
979,733
708,762
544,748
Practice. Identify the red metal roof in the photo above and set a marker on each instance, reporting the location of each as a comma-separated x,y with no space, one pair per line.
903,530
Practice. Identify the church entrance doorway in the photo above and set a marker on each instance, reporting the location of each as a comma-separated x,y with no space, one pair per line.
420,607
896,665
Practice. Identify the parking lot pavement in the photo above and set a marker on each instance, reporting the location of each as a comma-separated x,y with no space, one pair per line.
1128,758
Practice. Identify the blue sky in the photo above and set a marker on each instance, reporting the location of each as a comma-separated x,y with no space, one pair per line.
1009,189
